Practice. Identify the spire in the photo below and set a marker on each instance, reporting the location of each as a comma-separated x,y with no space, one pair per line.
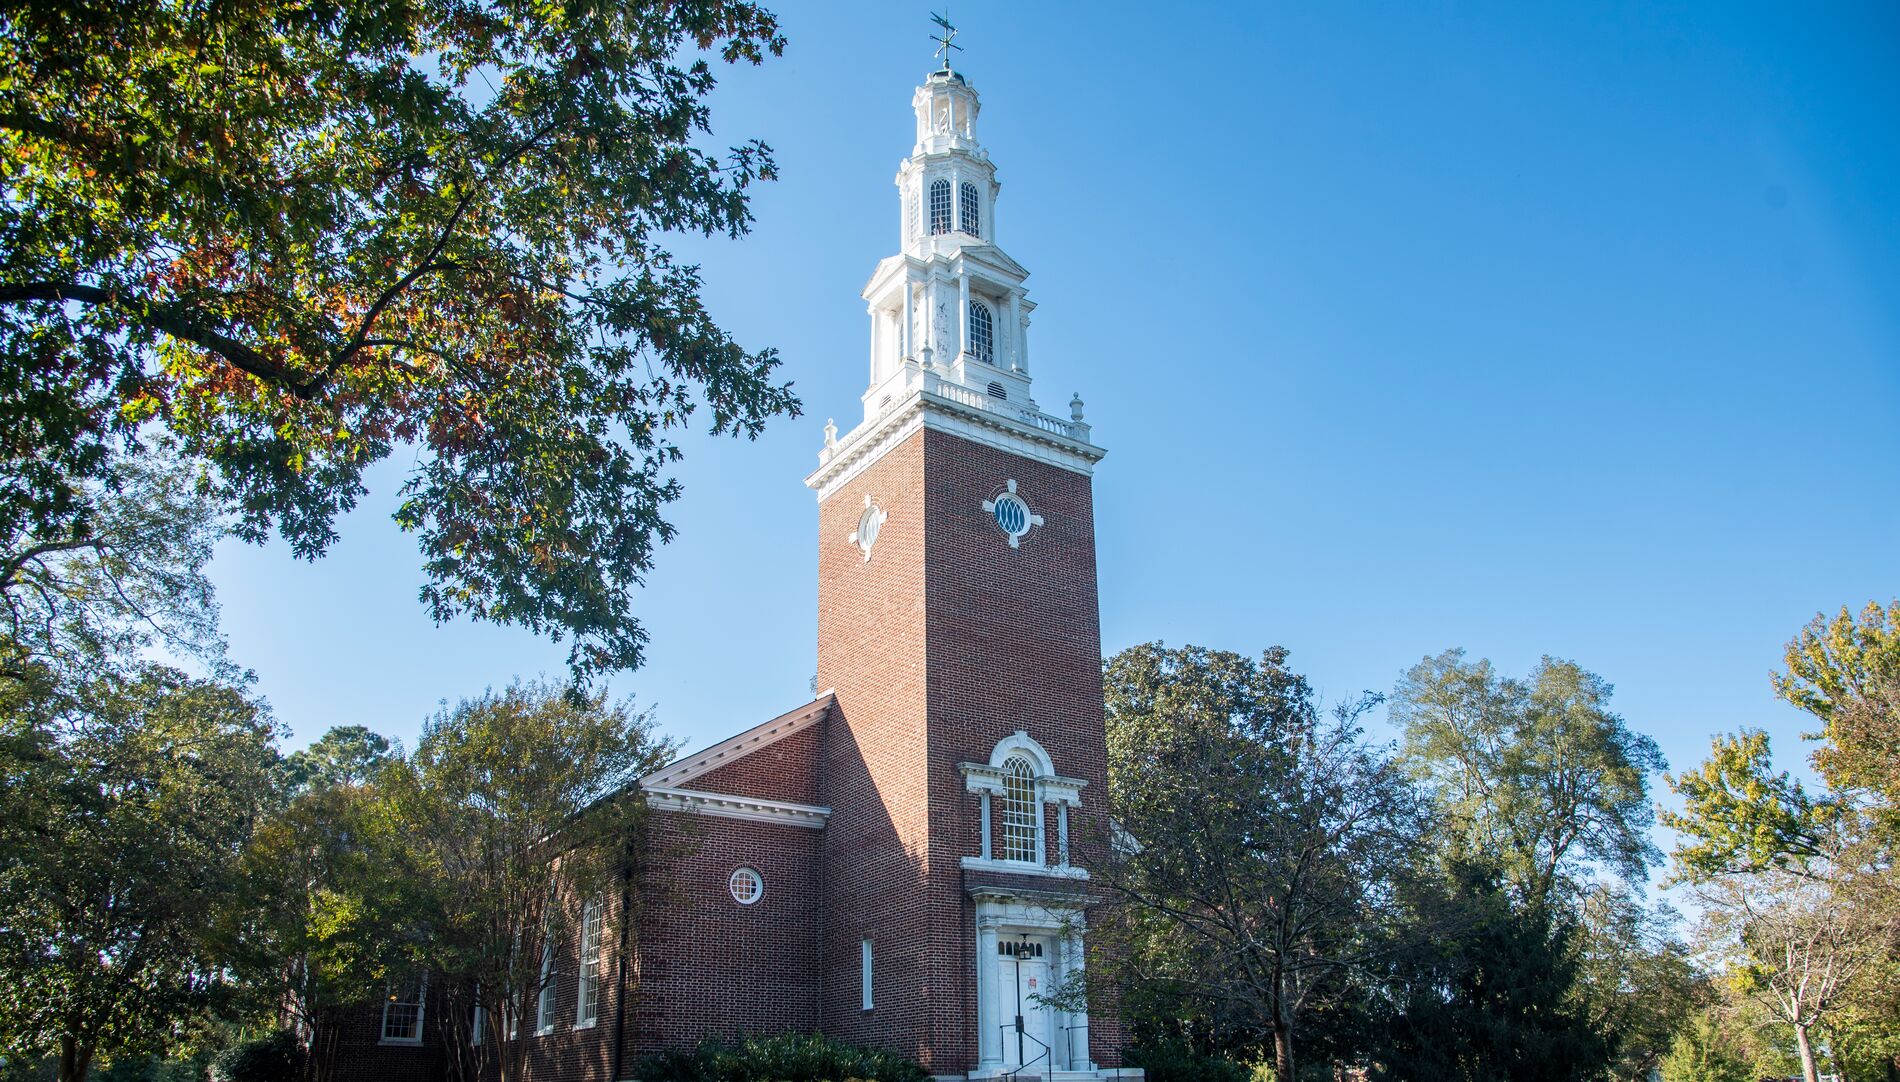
949,311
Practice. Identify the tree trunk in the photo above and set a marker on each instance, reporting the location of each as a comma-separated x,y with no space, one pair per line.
1283,1053
74,1060
1808,1071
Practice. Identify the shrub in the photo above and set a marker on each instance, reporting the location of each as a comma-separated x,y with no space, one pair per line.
1174,1061
273,1057
788,1058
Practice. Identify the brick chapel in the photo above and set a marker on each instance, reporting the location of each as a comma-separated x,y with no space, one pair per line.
892,862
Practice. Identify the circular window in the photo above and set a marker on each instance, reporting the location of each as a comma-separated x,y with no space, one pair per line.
1012,514
868,524
746,885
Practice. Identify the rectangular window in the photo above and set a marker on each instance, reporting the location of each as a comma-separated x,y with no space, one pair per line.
402,1011
587,997
544,1004
864,971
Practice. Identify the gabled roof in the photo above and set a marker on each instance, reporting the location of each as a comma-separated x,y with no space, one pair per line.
688,767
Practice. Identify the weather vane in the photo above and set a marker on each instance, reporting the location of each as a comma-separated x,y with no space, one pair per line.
943,40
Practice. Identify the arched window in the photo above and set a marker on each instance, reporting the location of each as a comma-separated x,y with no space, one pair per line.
968,206
1020,811
940,206
982,336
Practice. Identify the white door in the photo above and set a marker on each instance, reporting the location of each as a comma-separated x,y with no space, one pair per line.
1023,966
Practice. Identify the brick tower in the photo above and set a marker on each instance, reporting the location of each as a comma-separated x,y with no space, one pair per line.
958,627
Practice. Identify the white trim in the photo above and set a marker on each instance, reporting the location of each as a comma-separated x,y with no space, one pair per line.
1024,867
728,806
586,1003
422,1010
924,409
688,767
1021,741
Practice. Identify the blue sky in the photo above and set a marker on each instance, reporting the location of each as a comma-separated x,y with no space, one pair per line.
1531,329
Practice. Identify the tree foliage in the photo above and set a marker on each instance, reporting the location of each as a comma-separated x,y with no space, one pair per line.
95,594
1536,776
1260,838
299,237
122,809
1493,996
515,812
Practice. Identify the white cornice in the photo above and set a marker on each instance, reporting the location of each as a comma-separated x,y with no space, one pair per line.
688,767
728,806
839,463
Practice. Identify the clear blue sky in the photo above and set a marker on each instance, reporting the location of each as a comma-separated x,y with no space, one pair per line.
1566,329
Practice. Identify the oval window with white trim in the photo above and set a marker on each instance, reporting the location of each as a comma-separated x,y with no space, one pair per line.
747,886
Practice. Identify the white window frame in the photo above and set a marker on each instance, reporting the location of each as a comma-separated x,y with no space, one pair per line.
544,1002
969,209
422,1008
1019,836
864,974
949,219
587,977
982,332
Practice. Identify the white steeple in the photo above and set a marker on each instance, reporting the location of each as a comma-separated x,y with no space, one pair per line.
949,313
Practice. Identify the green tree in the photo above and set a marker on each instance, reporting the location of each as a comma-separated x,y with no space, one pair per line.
1538,776
1258,836
346,755
125,803
515,812
298,239
1491,995
1636,979
1706,1049
93,595
324,912
1846,672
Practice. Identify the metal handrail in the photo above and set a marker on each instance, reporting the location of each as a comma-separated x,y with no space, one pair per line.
1007,1027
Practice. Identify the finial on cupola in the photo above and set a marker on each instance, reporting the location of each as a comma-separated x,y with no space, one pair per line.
831,432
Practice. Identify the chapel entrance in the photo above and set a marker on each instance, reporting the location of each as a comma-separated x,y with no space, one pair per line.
1026,1020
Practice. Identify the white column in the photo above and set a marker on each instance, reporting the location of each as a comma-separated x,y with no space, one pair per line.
873,382
1062,834
1074,970
906,345
989,1035
963,313
1016,330
985,813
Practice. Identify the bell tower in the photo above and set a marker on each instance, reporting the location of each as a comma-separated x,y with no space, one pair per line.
959,628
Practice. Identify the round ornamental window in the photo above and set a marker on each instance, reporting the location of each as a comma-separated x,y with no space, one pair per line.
870,523
1012,515
746,885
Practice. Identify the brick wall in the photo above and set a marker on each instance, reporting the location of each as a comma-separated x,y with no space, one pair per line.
943,643
707,966
871,646
1015,644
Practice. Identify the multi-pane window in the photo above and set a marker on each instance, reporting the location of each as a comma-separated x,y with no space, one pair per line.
402,1011
982,333
544,1003
587,999
1020,811
940,206
967,205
